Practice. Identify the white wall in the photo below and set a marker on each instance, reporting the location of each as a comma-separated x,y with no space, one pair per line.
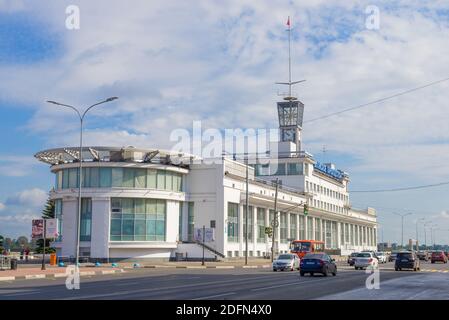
100,227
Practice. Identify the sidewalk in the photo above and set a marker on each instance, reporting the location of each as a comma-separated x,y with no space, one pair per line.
26,272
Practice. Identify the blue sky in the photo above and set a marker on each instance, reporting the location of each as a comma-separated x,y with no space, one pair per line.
172,63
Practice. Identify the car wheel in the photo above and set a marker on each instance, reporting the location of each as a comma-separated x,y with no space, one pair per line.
301,273
396,269
325,272
334,273
275,270
311,274
432,261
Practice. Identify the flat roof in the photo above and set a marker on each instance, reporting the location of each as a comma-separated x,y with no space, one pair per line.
114,154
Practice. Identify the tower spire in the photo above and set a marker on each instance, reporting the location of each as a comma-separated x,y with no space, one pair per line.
290,83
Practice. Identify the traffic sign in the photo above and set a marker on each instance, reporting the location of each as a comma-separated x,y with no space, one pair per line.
275,223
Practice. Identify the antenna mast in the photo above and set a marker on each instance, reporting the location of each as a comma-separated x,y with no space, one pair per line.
290,83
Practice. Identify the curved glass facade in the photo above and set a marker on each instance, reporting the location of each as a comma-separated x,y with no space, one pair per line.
136,219
108,177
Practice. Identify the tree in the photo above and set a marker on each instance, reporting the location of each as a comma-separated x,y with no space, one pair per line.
22,241
2,239
47,213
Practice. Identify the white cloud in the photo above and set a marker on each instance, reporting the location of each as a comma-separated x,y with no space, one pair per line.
31,197
2,206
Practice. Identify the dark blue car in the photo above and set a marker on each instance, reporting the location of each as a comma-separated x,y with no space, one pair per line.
317,263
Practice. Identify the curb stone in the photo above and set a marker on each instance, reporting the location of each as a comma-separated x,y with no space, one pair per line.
57,275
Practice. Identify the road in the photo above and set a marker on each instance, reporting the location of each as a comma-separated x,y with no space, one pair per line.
239,284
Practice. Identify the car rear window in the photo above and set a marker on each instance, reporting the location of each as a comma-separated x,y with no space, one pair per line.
313,256
363,255
405,255
285,257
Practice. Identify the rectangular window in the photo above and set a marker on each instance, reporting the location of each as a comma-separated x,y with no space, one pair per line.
65,178
302,233
86,219
280,169
317,229
117,177
261,225
328,234
310,228
250,223
294,169
151,179
73,177
94,177
161,180
140,176
283,227
105,177
128,178
168,180
293,226
233,222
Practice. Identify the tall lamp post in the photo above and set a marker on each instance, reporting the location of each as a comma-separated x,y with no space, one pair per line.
425,233
80,175
417,234
402,228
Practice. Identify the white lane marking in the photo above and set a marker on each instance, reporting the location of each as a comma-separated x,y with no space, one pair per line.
168,288
20,294
35,276
215,296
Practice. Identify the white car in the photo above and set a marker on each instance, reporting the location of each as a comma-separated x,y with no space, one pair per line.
286,261
364,260
382,257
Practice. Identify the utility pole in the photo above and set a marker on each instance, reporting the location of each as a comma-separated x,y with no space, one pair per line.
275,221
247,213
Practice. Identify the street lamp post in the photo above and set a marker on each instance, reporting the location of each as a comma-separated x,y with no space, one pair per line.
80,176
402,229
417,234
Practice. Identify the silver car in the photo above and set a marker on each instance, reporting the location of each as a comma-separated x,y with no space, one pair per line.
286,261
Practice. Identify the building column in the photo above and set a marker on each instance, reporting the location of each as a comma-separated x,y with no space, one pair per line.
338,235
306,227
314,229
297,226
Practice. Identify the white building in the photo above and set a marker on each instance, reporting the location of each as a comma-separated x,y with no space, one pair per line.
145,203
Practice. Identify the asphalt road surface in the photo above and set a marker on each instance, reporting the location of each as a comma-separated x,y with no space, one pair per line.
239,284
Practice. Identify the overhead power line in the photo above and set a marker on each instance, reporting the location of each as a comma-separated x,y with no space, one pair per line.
377,101
402,188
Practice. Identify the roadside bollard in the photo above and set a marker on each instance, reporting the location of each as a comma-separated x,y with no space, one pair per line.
61,264
136,265
97,264
114,265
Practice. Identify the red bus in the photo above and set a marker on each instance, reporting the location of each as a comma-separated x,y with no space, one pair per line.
302,247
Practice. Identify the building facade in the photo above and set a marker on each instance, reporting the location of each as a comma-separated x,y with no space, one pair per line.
145,203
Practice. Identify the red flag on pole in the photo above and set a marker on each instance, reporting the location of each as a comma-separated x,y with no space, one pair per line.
288,21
